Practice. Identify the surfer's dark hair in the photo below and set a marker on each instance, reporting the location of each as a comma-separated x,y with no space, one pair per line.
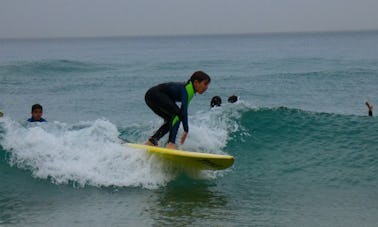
215,101
36,107
232,98
199,76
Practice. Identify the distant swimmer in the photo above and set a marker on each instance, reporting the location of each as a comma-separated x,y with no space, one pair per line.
1,114
36,114
370,108
162,100
215,101
232,99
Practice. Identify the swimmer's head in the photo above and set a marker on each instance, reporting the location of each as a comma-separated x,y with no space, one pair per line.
232,98
36,112
216,101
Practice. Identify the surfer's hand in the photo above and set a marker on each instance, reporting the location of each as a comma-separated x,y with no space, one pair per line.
183,137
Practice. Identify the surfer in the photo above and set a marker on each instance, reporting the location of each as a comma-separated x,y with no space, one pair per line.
162,100
36,114
370,108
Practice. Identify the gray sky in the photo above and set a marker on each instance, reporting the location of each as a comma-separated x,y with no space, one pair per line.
77,18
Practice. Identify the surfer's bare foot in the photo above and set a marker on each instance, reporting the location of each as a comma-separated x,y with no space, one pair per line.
171,146
148,143
151,142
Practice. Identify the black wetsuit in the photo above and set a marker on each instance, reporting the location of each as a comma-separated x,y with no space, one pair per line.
162,100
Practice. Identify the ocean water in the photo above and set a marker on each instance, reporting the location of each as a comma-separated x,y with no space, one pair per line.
306,153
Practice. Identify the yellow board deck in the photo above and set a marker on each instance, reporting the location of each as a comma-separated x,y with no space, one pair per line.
196,160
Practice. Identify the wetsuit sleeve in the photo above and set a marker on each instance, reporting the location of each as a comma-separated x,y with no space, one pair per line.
183,117
173,133
184,109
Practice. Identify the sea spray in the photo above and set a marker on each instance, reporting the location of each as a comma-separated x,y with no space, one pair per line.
88,153
92,153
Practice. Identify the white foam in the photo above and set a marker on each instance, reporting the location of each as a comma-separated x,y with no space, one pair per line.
210,130
88,153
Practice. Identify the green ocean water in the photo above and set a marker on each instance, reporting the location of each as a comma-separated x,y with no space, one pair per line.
306,153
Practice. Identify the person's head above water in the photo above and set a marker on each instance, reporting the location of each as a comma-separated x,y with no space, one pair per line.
200,81
232,98
36,112
215,101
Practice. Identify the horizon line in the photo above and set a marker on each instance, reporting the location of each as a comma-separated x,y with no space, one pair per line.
191,35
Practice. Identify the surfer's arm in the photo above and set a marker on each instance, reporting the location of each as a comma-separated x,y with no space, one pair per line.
183,137
184,110
370,107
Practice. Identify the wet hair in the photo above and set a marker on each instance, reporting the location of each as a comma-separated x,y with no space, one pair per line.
216,101
36,107
199,76
232,98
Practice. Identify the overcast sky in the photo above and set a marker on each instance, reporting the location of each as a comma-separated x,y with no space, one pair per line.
78,18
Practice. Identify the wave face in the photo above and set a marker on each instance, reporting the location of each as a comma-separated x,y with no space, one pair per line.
312,147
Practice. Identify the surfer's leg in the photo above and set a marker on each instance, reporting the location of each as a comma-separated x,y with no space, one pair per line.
172,136
154,139
164,107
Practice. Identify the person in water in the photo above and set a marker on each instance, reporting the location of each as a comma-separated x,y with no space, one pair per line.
232,99
370,109
215,101
162,98
36,114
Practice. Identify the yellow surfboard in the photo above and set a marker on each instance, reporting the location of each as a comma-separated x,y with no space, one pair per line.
195,160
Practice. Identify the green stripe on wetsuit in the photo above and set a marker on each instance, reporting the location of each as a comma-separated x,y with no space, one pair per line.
190,91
